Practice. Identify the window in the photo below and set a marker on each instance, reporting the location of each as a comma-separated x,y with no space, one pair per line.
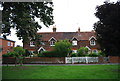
74,43
92,42
9,43
52,43
32,44
74,51
94,51
42,43
32,52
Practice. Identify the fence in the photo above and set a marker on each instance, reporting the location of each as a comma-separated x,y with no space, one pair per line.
81,60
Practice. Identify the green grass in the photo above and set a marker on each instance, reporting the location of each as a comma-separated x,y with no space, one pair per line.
61,72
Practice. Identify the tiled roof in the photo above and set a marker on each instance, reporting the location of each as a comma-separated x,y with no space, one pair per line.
6,39
66,35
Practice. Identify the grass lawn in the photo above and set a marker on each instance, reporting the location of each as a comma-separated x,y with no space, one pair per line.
61,72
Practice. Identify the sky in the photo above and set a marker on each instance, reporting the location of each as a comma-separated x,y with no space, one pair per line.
69,15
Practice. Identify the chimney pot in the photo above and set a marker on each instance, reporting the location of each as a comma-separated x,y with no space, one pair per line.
79,29
54,28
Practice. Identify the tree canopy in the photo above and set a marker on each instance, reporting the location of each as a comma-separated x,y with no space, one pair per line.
63,48
21,16
108,27
82,51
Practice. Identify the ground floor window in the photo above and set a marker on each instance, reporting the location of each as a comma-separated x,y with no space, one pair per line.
74,51
94,51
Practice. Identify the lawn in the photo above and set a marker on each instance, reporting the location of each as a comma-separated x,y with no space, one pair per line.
61,72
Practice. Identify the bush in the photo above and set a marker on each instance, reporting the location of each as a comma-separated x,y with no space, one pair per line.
74,55
27,53
93,55
50,54
12,54
101,53
82,51
5,55
19,50
41,55
62,48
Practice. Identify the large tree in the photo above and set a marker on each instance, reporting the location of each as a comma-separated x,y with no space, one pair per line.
21,16
108,27
63,48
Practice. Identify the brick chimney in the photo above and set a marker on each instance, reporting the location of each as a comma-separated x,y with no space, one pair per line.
54,28
79,29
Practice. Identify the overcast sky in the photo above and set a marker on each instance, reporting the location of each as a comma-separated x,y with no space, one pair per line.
69,15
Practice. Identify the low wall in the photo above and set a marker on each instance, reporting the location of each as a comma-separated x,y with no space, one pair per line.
35,60
62,60
114,59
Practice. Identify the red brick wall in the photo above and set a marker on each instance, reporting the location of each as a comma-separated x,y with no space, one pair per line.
5,47
114,59
34,60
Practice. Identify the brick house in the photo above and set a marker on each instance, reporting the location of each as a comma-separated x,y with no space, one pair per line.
6,45
78,39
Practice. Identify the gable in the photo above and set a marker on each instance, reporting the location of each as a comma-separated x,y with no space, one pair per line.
92,37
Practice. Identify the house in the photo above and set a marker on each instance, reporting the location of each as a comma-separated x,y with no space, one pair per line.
6,45
78,39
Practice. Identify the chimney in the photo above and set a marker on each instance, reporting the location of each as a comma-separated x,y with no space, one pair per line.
54,28
93,31
79,29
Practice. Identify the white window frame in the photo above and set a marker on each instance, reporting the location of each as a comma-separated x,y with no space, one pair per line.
74,51
52,43
92,42
32,44
74,42
9,43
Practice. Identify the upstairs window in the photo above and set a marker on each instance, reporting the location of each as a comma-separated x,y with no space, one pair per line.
32,44
9,44
12,44
52,41
92,42
74,42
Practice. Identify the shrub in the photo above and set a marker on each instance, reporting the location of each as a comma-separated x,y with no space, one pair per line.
19,50
101,53
62,48
93,54
50,54
5,55
74,55
41,55
27,53
82,51
12,54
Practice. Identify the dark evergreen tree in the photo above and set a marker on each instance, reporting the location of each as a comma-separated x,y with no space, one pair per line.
108,27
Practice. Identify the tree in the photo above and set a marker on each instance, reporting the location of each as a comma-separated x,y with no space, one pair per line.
108,27
21,16
82,51
63,48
